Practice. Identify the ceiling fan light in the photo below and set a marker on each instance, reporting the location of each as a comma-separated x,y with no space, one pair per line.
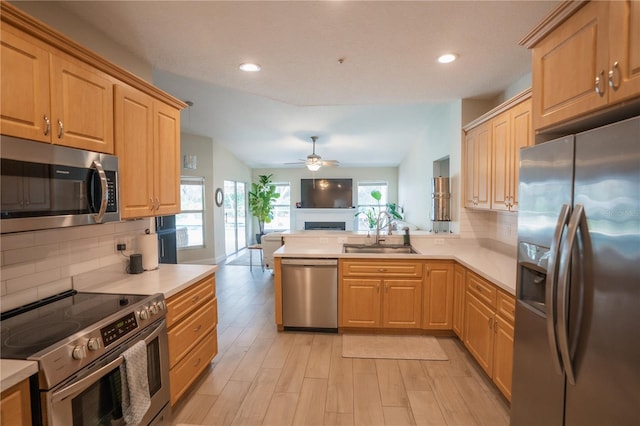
314,167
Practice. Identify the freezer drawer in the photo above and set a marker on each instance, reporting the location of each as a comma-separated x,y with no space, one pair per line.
310,294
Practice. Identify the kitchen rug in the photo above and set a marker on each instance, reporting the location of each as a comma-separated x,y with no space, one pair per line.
393,347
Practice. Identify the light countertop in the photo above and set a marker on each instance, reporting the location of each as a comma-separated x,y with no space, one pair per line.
490,264
167,279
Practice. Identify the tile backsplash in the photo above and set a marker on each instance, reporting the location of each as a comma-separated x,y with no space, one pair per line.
38,264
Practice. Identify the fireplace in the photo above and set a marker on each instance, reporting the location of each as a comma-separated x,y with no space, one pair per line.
325,226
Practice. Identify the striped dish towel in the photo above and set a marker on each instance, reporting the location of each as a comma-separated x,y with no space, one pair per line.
135,384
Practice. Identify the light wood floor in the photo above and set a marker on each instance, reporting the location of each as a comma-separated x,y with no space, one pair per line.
262,377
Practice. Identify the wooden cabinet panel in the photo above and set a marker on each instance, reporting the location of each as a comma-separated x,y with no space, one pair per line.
167,159
134,147
361,302
438,296
381,268
184,336
25,100
192,318
482,289
188,370
478,163
503,355
15,405
188,300
478,332
506,307
148,145
624,49
81,106
521,137
402,303
566,64
459,278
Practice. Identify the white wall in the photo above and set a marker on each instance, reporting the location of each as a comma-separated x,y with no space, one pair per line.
69,24
358,174
441,138
202,148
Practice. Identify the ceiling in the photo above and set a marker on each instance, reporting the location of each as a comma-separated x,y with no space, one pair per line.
361,75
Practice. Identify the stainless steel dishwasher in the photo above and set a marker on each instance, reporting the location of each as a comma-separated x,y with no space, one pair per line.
310,294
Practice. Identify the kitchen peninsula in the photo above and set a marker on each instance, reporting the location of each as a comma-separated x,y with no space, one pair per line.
449,286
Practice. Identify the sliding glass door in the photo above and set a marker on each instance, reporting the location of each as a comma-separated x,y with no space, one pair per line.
235,215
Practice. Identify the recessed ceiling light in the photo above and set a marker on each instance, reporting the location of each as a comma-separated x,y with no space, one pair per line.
447,58
250,67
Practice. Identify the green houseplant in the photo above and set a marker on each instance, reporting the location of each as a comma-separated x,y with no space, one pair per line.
261,198
372,214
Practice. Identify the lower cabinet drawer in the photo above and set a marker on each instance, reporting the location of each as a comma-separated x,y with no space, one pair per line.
188,370
185,336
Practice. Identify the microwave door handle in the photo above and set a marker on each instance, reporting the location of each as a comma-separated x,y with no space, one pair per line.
578,220
104,195
551,284
81,385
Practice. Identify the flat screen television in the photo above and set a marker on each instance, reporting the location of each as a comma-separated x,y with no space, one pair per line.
326,193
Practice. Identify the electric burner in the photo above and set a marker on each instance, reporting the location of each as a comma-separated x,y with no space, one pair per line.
28,330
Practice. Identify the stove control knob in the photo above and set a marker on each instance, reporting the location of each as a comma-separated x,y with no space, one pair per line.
78,352
93,344
143,314
161,305
154,309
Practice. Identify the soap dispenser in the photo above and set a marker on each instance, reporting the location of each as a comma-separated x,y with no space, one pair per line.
405,238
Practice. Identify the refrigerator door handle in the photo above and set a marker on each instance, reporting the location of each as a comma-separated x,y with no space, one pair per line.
551,284
578,221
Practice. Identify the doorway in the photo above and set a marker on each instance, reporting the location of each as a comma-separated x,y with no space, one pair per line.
235,215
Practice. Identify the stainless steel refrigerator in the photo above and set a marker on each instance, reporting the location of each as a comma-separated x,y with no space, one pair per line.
577,329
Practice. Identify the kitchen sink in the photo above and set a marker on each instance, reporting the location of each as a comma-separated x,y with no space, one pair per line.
378,248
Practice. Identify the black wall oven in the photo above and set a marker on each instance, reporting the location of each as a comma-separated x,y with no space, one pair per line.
81,341
50,186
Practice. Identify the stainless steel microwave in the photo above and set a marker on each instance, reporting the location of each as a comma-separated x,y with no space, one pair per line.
49,186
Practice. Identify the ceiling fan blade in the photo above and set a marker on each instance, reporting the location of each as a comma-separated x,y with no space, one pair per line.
330,163
297,162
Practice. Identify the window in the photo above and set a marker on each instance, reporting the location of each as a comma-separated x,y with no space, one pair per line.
369,205
281,209
190,221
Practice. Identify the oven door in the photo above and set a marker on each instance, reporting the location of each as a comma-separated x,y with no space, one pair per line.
94,397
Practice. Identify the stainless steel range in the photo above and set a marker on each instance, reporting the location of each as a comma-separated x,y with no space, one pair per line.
80,341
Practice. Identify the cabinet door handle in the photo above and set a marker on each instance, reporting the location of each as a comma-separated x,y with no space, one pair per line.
382,270
489,323
60,129
599,82
151,206
47,125
195,330
157,203
495,327
195,299
614,72
478,288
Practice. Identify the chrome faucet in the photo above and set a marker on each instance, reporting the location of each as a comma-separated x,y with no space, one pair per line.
378,239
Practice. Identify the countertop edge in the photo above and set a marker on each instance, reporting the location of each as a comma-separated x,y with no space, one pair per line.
13,371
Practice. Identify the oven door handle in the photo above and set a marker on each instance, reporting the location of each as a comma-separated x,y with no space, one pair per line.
84,383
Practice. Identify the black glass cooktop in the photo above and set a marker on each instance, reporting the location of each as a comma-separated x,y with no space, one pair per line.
34,328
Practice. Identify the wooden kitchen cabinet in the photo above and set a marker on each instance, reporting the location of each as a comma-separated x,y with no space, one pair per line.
380,294
192,319
488,329
48,96
459,277
477,161
511,131
587,63
437,309
147,134
15,405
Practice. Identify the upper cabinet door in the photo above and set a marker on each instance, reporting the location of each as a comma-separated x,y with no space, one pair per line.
501,150
570,67
167,159
624,57
24,67
82,106
521,136
134,148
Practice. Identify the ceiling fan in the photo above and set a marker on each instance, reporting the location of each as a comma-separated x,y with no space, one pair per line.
314,161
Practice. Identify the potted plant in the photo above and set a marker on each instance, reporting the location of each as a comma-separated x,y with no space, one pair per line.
372,214
261,198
